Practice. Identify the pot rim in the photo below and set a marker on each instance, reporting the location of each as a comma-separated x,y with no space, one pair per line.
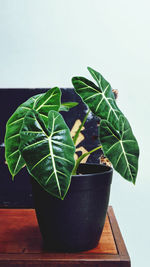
107,169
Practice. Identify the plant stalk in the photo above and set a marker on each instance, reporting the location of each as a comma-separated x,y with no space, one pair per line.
80,127
82,157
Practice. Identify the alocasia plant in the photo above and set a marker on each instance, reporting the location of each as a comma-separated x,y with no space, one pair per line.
117,139
38,137
42,103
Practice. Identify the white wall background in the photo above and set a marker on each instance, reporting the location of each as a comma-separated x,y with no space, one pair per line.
44,43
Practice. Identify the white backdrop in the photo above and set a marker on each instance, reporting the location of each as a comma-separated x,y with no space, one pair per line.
43,43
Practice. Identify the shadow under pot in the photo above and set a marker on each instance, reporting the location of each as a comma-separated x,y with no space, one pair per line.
75,223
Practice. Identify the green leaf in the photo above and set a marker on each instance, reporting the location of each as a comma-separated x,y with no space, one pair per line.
50,101
48,152
68,105
43,103
121,148
100,99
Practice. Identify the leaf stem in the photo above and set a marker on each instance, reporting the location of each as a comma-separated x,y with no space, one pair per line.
80,127
82,157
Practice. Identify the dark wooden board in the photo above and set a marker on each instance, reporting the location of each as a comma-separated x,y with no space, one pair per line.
21,244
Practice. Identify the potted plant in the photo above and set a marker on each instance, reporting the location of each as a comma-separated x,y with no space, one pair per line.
71,198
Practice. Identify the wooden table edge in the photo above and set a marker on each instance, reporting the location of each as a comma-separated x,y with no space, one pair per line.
122,258
120,244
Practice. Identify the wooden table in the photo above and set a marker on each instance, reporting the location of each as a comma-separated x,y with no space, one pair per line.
21,244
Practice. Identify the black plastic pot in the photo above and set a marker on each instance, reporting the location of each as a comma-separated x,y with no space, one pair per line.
75,223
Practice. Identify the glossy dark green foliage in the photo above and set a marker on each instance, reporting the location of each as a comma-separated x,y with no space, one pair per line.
99,98
42,103
117,139
121,148
48,151
38,137
67,106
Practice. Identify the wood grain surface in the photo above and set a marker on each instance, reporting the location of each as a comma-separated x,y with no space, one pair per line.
21,244
19,233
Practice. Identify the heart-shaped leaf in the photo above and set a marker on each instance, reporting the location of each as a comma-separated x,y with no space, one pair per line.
49,101
48,152
43,103
100,99
121,148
